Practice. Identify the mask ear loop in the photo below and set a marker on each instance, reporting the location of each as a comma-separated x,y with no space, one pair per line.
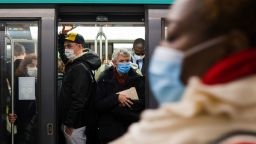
204,45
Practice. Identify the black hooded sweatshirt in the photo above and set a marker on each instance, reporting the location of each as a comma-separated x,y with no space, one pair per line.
76,91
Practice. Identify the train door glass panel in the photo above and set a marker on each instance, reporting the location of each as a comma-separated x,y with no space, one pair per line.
19,78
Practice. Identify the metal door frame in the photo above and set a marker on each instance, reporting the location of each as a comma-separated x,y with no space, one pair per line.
153,16
47,65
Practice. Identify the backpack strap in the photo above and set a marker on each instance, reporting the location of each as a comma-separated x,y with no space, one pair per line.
91,74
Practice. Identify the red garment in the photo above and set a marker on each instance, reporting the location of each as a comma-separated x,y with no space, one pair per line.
232,68
121,79
246,143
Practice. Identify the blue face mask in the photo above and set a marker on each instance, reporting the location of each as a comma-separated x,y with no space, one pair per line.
165,70
164,75
123,68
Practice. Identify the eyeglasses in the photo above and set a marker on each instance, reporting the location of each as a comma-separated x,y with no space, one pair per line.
69,45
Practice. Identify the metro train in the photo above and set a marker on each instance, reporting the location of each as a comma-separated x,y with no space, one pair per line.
105,24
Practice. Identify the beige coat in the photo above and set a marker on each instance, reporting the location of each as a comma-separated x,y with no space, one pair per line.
204,114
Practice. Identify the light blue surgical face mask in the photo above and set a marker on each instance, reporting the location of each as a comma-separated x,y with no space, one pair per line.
123,68
165,71
164,75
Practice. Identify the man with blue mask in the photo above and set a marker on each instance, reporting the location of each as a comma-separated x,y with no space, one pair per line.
118,109
204,76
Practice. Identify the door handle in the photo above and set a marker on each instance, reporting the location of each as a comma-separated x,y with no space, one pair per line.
50,129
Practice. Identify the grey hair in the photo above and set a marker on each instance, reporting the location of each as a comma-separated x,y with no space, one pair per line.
121,52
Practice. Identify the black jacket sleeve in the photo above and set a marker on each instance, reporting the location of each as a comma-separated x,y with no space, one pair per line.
139,105
61,48
80,96
130,115
125,114
104,101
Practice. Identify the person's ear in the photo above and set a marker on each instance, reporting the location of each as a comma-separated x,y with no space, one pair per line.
114,63
238,40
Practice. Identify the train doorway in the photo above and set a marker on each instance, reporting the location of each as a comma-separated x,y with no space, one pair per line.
104,32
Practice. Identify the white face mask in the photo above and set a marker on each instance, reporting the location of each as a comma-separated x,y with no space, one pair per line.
137,57
32,71
70,53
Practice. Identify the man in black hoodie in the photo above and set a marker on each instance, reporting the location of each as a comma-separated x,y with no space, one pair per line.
77,88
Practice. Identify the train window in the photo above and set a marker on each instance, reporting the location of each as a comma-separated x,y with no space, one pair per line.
127,46
108,36
19,88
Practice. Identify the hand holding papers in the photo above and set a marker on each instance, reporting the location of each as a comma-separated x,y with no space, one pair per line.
130,93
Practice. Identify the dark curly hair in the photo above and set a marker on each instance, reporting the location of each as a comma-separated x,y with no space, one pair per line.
139,41
22,69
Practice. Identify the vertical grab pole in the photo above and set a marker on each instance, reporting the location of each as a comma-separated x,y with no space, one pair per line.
106,47
12,69
100,43
12,83
100,35
35,47
101,47
96,44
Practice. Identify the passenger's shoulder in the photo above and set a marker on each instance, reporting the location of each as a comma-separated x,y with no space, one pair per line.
106,75
135,76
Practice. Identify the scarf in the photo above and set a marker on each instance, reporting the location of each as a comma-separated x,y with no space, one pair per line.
121,79
232,68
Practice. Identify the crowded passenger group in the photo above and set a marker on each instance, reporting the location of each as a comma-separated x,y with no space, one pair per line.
202,76
99,111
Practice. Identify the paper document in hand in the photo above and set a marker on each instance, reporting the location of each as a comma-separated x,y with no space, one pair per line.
131,93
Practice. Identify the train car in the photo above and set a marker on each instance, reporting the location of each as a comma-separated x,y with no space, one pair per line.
105,24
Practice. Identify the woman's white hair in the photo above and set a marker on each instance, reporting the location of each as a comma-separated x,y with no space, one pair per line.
120,52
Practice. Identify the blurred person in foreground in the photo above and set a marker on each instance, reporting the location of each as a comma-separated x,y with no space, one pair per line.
208,64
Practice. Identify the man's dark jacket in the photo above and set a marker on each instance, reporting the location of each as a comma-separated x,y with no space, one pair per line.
76,90
113,119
